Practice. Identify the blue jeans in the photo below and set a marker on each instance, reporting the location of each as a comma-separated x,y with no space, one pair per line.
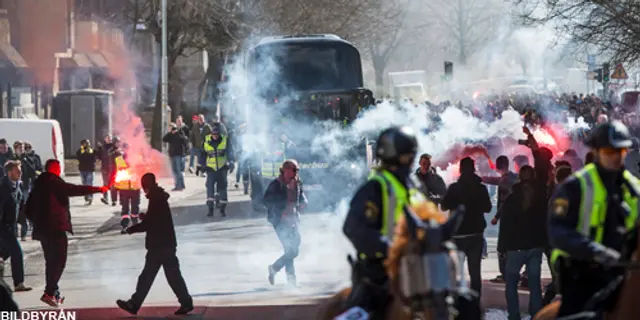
177,167
195,152
10,248
485,250
532,259
289,237
87,179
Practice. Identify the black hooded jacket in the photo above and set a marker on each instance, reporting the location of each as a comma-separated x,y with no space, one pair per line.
157,223
48,204
470,192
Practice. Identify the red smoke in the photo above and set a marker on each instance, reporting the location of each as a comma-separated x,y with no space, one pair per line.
42,30
459,151
550,136
127,124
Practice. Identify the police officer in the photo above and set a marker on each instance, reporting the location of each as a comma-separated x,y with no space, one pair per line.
590,215
129,190
375,208
220,158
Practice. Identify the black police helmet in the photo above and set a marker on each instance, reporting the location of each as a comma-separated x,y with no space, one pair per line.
394,142
611,134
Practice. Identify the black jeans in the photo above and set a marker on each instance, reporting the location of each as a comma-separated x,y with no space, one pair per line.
551,290
289,237
471,245
11,248
165,258
55,248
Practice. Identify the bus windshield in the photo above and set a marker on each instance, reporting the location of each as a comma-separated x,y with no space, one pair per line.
283,67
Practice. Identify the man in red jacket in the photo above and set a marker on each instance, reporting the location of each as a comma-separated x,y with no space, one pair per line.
48,210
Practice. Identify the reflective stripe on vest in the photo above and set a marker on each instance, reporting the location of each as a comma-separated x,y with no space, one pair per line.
271,162
216,157
132,183
593,205
394,199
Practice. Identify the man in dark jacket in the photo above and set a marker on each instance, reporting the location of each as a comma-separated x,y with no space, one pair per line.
86,165
433,184
284,199
30,171
470,192
524,239
33,156
5,155
48,210
10,200
177,142
505,181
161,250
103,153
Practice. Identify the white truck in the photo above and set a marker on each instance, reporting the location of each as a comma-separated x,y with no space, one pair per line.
408,85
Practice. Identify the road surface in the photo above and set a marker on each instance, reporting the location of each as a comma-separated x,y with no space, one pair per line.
223,260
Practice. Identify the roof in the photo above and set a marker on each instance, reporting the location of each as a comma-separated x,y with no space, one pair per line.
10,57
28,120
84,91
85,60
302,39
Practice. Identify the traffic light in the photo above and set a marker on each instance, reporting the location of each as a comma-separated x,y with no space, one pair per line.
599,74
605,72
448,70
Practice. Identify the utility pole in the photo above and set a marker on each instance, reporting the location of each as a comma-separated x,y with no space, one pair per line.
165,72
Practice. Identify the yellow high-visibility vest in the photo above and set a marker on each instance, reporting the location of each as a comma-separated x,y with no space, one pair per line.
132,183
216,157
395,197
593,205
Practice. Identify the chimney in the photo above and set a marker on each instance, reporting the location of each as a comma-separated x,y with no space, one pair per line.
71,25
5,30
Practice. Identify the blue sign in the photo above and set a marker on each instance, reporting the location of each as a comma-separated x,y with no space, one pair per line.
591,62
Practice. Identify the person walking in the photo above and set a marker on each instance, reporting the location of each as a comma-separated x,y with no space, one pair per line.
161,245
284,199
177,142
10,201
220,161
87,165
48,210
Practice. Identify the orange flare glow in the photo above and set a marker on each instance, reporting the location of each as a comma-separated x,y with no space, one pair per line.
123,175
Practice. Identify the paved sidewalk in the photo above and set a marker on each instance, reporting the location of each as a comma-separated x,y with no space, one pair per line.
90,220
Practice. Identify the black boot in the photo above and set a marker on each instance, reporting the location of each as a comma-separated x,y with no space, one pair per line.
210,213
127,306
223,209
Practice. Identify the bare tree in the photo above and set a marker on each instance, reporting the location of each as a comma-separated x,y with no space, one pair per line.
190,25
612,27
464,25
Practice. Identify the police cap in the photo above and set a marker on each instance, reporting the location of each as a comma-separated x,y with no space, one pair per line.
394,142
611,134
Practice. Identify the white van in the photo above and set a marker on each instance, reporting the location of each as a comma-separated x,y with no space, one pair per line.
44,135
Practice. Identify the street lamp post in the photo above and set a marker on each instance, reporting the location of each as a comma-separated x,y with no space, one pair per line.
164,75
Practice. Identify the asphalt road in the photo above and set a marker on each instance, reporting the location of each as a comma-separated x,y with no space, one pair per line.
223,260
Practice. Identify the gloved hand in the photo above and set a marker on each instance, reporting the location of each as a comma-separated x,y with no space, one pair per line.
231,167
604,255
